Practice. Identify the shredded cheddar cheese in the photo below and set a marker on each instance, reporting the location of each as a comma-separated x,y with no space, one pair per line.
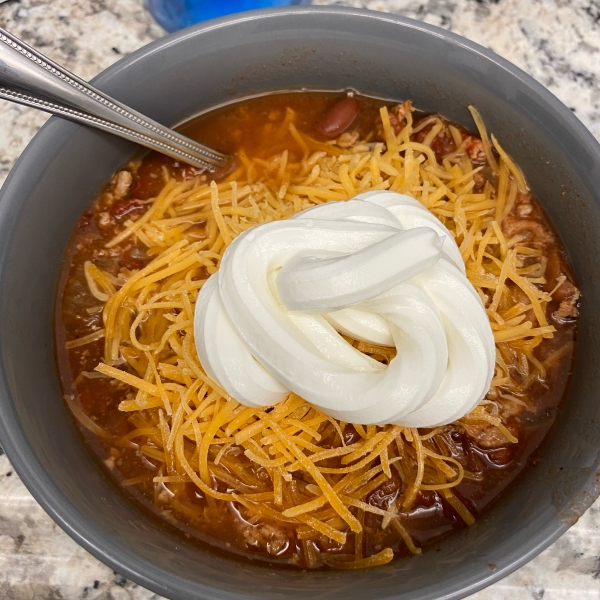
183,420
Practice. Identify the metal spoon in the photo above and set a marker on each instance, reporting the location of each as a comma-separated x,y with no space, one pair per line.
30,78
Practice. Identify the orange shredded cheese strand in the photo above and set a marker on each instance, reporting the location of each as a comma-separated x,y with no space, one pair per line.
379,559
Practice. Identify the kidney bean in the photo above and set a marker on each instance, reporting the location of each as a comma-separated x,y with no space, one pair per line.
564,291
148,181
442,144
338,118
554,269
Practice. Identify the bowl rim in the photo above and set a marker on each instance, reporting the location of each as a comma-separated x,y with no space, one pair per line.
14,442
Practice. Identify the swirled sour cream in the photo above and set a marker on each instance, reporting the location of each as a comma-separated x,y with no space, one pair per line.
379,268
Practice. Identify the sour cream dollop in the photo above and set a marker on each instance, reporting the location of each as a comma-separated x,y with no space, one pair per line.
379,268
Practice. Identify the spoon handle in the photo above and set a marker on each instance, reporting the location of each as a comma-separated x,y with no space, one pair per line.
28,77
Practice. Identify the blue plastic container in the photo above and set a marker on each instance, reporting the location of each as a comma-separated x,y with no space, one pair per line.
177,14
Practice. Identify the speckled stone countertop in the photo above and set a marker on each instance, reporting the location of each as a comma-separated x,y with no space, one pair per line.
556,41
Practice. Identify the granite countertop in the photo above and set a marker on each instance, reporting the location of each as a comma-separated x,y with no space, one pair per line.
556,41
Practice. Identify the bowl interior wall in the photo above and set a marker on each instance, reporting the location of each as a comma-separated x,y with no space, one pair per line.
67,164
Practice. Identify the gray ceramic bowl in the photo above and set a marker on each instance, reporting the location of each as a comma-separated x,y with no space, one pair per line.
218,61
